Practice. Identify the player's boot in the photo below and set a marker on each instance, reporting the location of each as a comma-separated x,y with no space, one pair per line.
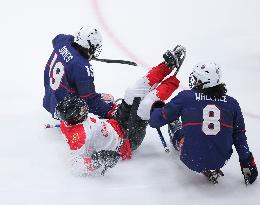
176,136
174,58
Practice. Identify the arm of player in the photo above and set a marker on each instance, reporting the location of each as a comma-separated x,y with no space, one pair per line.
246,158
239,136
84,82
166,114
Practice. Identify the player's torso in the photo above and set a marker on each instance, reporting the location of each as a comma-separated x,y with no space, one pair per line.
212,116
208,128
103,136
91,135
60,73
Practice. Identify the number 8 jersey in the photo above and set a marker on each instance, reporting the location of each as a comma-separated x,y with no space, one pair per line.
68,72
209,126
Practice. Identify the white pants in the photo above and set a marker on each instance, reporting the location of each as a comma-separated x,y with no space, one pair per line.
152,88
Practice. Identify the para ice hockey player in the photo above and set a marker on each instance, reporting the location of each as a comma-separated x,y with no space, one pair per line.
97,144
211,123
68,71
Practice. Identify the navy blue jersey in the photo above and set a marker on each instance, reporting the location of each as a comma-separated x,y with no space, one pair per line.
67,72
210,127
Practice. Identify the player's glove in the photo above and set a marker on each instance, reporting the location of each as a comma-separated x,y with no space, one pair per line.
174,58
249,169
105,158
108,98
157,104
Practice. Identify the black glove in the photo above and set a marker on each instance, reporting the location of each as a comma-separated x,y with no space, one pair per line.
249,169
157,104
105,158
175,57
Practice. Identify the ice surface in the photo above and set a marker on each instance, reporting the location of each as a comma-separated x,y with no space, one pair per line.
34,168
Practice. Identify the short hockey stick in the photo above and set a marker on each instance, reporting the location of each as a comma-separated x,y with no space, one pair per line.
166,149
182,56
51,125
115,61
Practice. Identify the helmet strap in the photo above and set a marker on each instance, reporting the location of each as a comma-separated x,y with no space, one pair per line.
200,85
83,51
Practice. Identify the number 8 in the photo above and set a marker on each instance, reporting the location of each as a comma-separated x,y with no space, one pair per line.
211,117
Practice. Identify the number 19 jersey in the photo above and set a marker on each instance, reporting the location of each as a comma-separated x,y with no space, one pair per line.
67,72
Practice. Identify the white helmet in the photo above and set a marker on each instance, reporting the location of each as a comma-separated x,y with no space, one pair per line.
205,74
90,38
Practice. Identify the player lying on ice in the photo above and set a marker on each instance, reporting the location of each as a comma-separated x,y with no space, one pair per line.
211,123
97,144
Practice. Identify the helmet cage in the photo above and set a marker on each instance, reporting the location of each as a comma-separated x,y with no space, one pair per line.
192,81
94,50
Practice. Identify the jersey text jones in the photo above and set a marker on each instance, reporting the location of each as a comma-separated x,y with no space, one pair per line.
67,56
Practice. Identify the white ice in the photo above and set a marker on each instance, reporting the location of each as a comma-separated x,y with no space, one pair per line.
33,161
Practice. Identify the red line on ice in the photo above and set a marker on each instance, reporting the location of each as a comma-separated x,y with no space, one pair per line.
122,47
118,43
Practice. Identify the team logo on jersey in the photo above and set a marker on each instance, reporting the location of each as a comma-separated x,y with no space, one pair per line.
75,138
104,130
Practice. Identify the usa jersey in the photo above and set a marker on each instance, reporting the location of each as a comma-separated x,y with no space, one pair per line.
91,136
209,126
67,72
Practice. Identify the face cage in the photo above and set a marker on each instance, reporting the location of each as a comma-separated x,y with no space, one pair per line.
56,114
94,50
192,81
78,118
83,113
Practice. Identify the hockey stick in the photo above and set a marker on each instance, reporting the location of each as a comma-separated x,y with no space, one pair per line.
166,149
115,61
51,125
180,52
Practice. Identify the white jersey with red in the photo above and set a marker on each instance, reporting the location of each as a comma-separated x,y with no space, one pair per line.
91,136
96,134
